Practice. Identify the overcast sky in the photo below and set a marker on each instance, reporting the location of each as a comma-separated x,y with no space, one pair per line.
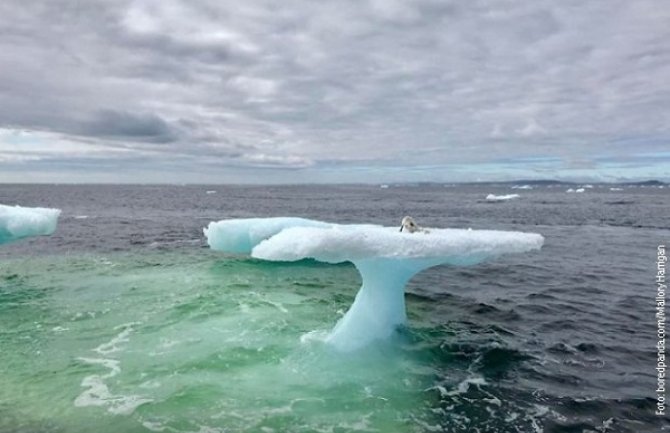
333,91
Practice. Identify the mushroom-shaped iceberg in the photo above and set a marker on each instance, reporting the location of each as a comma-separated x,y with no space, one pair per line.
385,258
18,222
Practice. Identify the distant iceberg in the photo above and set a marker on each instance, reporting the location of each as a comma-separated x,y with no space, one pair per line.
522,187
493,197
385,258
21,222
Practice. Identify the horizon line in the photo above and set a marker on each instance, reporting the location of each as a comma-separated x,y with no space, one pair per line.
399,183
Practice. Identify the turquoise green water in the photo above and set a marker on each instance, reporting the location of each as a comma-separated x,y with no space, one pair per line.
195,342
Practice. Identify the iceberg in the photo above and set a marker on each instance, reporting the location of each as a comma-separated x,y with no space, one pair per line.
386,259
21,222
493,197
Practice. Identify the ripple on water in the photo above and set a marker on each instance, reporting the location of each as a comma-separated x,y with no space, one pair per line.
97,392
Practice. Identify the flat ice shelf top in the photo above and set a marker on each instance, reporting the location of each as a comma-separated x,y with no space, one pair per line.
341,243
290,239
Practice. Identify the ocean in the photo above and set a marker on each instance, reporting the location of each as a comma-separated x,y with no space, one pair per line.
125,321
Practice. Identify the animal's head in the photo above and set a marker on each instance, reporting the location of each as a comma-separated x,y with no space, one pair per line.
408,224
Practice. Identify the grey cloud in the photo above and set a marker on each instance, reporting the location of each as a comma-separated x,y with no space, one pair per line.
342,83
121,125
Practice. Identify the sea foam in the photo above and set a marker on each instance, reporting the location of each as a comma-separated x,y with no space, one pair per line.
386,259
21,222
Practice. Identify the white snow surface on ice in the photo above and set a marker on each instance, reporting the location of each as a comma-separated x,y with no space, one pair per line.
340,243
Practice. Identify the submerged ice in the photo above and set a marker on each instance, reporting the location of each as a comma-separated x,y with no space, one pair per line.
386,259
21,222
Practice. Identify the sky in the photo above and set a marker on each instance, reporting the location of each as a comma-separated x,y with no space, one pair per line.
212,91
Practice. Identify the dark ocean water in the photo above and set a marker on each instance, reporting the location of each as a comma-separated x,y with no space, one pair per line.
562,340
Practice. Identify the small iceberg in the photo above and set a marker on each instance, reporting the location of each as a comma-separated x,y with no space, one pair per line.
386,259
493,197
21,222
575,190
522,187
616,189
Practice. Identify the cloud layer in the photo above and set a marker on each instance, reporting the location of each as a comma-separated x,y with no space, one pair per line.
347,90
